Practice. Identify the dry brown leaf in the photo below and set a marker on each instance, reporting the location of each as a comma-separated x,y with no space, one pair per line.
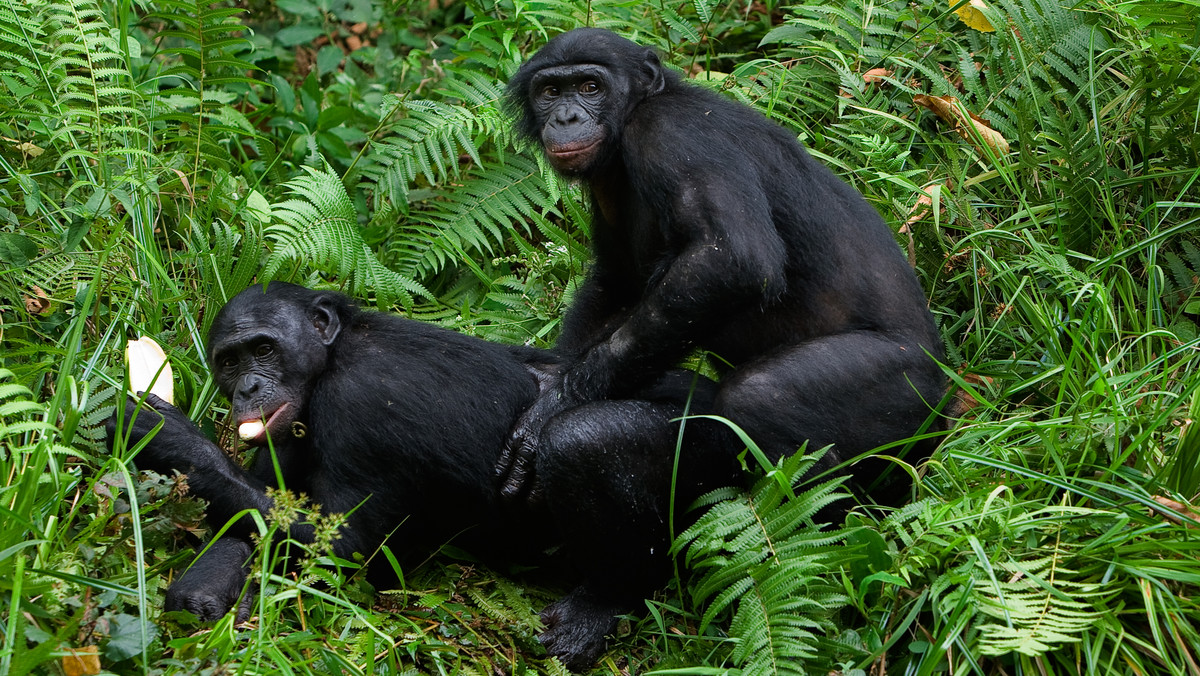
917,212
971,15
967,125
83,661
38,303
963,402
1176,507
876,75
27,149
924,204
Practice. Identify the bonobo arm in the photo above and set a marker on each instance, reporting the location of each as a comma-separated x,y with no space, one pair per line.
731,259
212,475
600,305
728,259
515,467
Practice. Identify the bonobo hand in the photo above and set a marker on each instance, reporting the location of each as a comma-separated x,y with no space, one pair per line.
515,469
172,447
214,583
516,466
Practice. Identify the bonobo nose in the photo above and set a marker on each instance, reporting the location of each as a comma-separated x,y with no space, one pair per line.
249,385
562,117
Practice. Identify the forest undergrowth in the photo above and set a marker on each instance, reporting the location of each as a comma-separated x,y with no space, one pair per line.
1038,161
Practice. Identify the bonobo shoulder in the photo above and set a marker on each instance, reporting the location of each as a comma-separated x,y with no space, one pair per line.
687,116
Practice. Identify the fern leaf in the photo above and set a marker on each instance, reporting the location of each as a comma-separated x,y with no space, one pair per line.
1037,609
474,217
762,553
321,228
99,113
23,424
204,36
425,144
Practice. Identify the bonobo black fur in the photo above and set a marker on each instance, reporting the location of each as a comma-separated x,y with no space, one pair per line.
713,228
403,423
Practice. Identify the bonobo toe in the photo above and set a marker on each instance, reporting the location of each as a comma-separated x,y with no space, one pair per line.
576,626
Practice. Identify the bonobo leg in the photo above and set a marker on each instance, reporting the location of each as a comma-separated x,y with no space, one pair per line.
605,472
213,584
857,390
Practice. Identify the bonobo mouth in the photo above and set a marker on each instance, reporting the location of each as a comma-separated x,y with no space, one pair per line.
254,432
566,151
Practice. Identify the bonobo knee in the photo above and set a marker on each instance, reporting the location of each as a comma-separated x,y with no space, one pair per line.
749,393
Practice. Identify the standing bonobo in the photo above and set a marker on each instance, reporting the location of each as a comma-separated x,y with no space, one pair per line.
399,425
714,229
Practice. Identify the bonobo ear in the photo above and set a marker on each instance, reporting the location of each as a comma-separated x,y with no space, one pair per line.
325,319
656,80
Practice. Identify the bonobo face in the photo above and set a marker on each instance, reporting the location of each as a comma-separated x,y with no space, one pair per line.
571,103
265,353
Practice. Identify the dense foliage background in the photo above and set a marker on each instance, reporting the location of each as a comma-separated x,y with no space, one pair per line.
1038,160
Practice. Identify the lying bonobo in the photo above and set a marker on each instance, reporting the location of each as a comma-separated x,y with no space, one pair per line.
403,423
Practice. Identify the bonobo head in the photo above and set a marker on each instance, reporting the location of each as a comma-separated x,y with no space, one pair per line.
267,347
575,95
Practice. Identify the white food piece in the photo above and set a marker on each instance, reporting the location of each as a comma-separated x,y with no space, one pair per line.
250,430
149,369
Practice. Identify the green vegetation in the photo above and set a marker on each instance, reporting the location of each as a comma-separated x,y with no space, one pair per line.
156,156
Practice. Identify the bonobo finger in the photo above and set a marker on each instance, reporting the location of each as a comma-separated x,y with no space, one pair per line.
535,496
141,416
507,455
156,402
520,475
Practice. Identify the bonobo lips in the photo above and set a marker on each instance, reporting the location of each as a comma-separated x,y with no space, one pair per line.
572,158
273,424
566,151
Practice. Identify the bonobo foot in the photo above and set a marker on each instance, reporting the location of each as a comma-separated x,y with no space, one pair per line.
576,626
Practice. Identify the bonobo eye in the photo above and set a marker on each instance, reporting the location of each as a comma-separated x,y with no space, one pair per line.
228,363
589,87
264,350
550,91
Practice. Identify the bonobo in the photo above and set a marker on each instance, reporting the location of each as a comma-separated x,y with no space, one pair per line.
403,423
713,228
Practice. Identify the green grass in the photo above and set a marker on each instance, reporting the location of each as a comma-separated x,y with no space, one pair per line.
158,156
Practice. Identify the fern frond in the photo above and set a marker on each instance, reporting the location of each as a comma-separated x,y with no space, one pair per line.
502,601
230,258
762,552
1038,608
23,424
99,113
427,144
321,227
93,414
473,218
205,36
427,141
